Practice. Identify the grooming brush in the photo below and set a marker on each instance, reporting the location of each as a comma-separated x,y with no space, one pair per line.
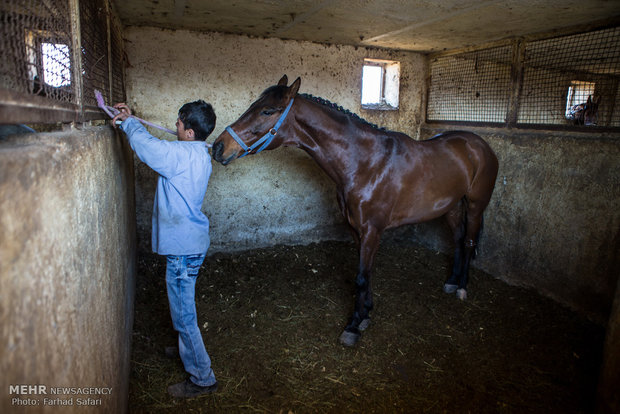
112,112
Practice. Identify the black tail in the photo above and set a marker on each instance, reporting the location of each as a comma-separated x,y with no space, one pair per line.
473,256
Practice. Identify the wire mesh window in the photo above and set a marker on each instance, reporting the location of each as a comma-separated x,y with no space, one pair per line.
471,86
36,48
567,81
49,70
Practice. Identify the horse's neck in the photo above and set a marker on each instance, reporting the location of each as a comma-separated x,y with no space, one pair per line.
329,150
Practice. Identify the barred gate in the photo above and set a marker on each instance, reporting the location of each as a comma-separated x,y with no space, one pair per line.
55,53
529,83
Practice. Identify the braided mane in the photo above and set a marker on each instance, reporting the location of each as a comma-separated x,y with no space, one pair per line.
339,108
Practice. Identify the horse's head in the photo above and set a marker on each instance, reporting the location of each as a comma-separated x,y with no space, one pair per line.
585,113
257,129
590,110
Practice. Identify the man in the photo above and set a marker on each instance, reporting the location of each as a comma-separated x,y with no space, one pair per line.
180,231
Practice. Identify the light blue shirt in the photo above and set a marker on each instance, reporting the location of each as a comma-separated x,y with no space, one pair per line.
184,167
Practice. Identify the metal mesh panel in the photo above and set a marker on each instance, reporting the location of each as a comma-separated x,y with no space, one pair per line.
36,48
38,77
93,24
472,86
118,62
550,80
587,64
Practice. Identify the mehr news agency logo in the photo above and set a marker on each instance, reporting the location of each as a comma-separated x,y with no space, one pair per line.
42,395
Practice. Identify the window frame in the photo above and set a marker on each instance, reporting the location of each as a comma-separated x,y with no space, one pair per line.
386,102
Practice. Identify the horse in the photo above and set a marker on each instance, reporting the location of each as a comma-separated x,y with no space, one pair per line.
584,113
383,179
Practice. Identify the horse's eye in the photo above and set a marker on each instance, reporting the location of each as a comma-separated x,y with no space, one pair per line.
269,111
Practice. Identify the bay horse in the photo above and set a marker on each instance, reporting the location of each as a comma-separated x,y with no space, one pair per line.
383,179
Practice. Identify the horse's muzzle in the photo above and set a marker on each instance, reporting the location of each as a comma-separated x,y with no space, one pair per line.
218,153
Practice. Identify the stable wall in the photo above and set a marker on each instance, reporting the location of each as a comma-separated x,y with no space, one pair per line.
553,221
67,267
277,196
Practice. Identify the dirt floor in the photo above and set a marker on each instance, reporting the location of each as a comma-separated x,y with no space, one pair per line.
271,319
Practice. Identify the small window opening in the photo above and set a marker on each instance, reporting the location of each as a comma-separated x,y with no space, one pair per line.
380,84
50,68
578,93
56,64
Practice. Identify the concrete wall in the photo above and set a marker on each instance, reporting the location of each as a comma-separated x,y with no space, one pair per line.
67,267
279,196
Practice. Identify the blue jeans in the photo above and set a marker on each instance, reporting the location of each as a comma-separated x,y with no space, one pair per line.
181,274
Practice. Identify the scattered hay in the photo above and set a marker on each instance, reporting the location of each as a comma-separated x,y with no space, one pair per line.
271,320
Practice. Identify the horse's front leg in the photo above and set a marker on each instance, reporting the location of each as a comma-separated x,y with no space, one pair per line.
369,243
345,213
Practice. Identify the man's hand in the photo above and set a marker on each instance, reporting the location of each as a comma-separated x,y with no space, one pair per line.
124,113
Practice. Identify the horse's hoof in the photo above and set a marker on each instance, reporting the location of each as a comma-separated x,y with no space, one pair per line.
364,324
448,288
461,294
349,338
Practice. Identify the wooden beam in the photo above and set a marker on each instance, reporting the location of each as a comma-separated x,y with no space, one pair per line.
22,108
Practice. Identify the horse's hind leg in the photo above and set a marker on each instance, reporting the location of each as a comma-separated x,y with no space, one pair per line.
469,246
473,226
465,220
369,243
455,220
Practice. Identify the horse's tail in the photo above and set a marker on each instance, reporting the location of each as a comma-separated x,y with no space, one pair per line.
473,256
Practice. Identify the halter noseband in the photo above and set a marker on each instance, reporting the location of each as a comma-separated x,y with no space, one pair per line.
265,140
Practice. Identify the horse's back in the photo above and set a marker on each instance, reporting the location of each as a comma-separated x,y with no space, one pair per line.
473,151
470,142
465,136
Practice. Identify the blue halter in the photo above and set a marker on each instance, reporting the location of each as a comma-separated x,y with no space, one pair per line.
265,140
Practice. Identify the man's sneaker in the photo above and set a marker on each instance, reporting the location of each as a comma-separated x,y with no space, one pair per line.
187,389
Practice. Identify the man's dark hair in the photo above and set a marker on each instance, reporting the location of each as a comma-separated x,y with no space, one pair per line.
200,117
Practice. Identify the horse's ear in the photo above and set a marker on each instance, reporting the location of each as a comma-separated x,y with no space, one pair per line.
283,81
589,99
292,90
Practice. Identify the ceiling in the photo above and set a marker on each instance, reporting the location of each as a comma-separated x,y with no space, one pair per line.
422,26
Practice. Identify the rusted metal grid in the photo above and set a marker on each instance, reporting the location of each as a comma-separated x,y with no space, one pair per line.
117,85
530,83
43,77
473,86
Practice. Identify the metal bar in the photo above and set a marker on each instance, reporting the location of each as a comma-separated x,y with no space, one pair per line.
74,7
547,127
109,40
612,102
516,81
